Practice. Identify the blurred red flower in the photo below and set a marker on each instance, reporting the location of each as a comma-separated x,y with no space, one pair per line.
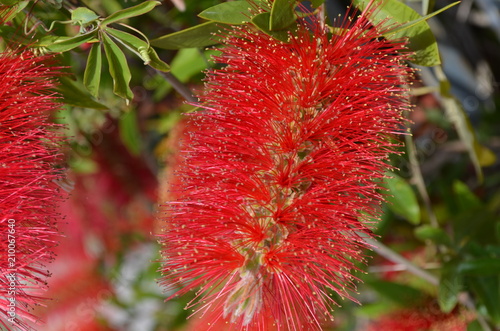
30,161
428,317
280,176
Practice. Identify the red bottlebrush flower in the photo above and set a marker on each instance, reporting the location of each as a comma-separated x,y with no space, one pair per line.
29,194
281,175
428,317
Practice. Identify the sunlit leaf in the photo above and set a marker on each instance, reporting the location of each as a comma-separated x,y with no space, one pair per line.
420,37
83,15
234,12
419,20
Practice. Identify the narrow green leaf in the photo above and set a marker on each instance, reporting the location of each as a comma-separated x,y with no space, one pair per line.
420,37
480,267
282,14
234,12
92,75
450,286
129,132
140,47
438,236
201,35
261,21
401,198
118,68
138,10
156,62
75,94
456,114
83,15
64,44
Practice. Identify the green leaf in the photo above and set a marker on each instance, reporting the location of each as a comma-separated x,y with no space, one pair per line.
480,267
92,75
438,236
138,10
74,94
282,14
201,35
8,2
129,132
317,3
456,114
186,63
140,47
83,15
234,12
420,37
474,326
466,199
487,292
13,10
118,68
261,21
419,20
402,199
64,44
450,286
400,294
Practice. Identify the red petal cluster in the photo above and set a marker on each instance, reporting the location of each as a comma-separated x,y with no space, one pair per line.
29,194
281,174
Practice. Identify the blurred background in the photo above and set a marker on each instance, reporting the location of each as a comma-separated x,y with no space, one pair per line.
443,218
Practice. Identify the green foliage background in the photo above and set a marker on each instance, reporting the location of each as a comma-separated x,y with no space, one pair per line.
134,63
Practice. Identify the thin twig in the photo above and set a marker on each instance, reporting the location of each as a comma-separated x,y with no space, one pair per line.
464,297
418,179
391,255
178,86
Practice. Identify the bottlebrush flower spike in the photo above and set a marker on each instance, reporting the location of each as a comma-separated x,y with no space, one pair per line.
29,153
281,174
